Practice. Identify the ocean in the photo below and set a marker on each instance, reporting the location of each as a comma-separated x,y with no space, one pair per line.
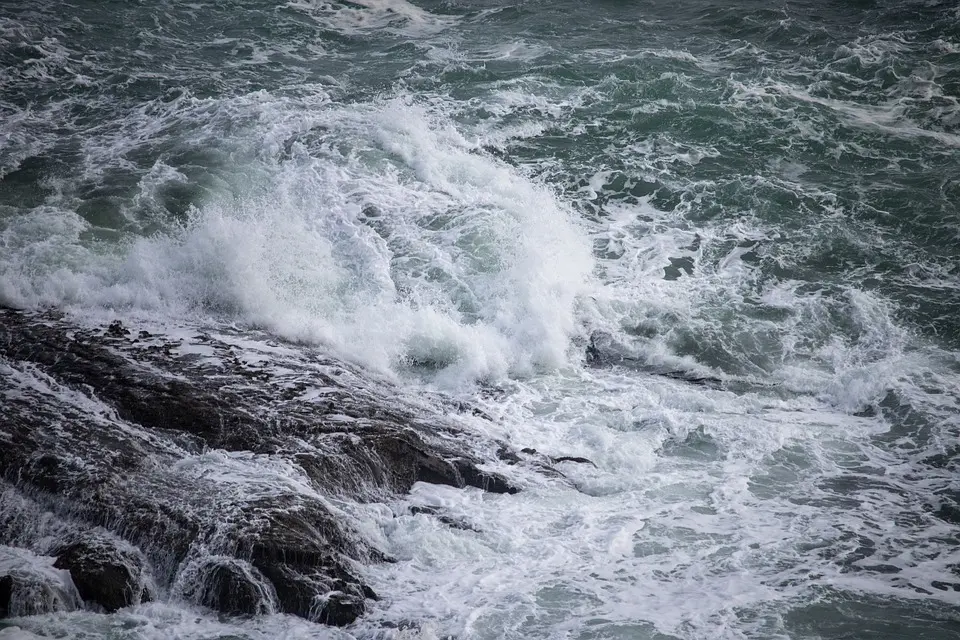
710,246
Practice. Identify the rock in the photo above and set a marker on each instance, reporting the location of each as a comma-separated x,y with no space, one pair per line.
117,330
575,459
605,350
105,571
150,454
331,597
231,586
473,476
341,609
508,455
301,547
299,530
412,461
31,585
6,595
450,521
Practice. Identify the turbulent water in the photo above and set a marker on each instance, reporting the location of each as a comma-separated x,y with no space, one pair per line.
545,207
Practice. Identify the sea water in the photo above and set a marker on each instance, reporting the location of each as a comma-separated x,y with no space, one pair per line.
709,245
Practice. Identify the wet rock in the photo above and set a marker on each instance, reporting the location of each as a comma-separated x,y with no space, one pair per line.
411,461
163,443
301,547
30,585
330,597
576,459
605,350
298,530
508,455
453,523
473,476
105,571
341,609
117,330
230,586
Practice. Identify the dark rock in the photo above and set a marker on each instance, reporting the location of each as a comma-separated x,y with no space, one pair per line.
592,354
105,572
316,595
297,530
508,455
6,594
687,376
23,594
454,523
341,609
300,547
474,477
411,461
577,459
604,350
117,330
30,585
231,586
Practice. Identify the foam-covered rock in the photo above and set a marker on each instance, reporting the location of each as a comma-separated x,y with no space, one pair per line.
31,585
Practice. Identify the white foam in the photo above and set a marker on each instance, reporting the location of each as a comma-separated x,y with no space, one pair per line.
654,528
385,231
162,621
16,633
409,247
372,16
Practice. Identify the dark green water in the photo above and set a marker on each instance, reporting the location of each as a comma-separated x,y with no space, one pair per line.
464,194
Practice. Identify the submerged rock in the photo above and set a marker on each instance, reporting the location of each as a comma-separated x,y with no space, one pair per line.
212,455
450,521
574,459
605,350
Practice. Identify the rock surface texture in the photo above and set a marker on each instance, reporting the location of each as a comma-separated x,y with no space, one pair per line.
208,467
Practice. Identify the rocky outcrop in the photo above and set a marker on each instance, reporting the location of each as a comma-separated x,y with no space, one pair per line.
210,464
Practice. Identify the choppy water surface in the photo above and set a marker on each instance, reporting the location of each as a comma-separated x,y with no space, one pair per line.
474,195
